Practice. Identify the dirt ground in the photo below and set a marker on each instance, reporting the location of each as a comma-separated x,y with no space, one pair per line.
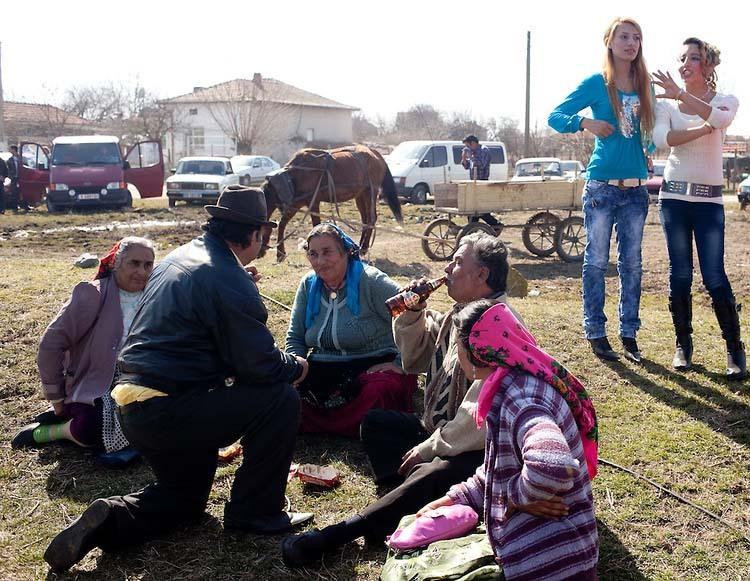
686,431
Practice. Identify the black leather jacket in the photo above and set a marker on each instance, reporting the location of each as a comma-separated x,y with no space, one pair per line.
200,321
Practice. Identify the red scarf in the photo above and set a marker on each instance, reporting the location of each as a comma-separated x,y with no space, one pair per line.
107,264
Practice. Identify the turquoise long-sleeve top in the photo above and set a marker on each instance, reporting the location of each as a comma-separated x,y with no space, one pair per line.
619,156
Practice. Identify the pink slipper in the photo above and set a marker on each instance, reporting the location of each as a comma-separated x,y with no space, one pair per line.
444,522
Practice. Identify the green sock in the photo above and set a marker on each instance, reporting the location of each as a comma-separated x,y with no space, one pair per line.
48,433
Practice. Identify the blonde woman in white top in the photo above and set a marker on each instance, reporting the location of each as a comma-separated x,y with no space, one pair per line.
693,125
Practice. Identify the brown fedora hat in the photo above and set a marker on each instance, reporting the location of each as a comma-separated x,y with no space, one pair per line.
243,205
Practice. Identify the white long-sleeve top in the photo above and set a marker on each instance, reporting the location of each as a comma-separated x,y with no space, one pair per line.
698,161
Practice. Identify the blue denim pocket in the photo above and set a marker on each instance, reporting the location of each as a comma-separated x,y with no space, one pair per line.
593,191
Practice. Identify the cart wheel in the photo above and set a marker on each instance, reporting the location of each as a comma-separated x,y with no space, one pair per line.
472,227
539,233
571,239
440,239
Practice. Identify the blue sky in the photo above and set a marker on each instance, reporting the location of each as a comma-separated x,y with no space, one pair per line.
380,56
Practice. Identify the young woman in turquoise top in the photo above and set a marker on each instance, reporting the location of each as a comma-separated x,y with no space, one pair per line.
615,194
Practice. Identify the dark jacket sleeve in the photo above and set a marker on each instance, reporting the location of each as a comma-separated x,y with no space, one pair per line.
238,323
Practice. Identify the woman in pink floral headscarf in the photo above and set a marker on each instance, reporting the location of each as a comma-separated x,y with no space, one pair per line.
534,487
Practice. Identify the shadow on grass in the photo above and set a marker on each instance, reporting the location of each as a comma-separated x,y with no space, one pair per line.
410,270
615,561
728,420
204,550
77,476
550,268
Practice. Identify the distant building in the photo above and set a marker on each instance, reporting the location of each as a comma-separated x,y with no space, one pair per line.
259,116
41,123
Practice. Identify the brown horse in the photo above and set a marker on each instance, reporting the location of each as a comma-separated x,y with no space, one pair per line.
313,176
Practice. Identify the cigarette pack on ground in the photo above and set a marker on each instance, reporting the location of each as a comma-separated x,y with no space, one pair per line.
325,476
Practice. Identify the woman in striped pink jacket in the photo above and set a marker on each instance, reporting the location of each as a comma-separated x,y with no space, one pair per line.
540,455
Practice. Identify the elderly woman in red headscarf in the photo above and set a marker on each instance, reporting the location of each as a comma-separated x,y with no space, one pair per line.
78,352
540,455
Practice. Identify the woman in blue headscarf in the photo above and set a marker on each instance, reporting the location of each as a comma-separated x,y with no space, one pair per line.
341,324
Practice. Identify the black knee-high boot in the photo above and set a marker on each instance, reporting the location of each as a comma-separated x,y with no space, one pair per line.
727,313
681,307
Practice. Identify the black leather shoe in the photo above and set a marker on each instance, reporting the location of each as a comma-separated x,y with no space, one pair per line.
631,349
303,550
603,350
25,437
72,544
271,524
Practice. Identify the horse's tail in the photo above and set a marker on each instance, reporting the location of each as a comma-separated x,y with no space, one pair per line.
390,193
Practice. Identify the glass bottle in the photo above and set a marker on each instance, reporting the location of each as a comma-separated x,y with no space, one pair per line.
411,297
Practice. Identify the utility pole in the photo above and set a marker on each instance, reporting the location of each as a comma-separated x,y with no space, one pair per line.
526,134
3,140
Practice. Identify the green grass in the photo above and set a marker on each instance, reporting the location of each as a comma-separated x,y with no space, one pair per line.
689,432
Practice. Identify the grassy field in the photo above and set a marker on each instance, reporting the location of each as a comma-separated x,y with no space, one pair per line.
689,432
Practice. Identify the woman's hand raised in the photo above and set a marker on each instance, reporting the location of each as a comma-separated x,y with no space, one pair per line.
671,89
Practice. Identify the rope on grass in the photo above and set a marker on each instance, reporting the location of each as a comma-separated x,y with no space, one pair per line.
705,511
275,302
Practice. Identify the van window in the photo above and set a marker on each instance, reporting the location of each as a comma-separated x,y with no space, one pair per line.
497,155
457,149
86,154
33,156
408,150
144,155
437,156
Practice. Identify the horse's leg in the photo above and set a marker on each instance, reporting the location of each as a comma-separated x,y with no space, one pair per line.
280,248
364,206
315,213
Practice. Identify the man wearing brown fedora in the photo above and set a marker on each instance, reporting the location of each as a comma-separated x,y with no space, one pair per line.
199,370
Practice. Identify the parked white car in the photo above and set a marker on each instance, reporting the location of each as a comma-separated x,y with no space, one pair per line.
200,179
572,168
534,169
417,166
256,167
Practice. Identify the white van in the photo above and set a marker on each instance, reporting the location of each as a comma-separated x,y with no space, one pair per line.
418,165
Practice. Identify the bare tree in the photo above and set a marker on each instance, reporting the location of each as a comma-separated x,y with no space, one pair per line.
147,118
420,122
99,104
506,129
247,111
362,128
462,124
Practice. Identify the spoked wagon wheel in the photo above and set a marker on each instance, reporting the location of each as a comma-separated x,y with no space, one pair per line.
440,239
472,227
539,233
571,239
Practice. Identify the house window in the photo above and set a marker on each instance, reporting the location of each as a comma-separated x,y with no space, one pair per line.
193,111
310,135
198,136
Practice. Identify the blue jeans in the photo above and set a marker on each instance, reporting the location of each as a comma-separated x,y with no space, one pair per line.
682,221
605,206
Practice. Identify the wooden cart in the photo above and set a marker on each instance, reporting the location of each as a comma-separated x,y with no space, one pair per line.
543,234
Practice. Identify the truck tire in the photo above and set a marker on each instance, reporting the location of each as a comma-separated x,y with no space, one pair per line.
419,194
52,208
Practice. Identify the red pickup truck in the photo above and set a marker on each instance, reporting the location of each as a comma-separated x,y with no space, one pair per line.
90,171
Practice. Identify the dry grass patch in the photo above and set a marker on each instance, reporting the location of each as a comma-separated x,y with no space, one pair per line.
689,431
